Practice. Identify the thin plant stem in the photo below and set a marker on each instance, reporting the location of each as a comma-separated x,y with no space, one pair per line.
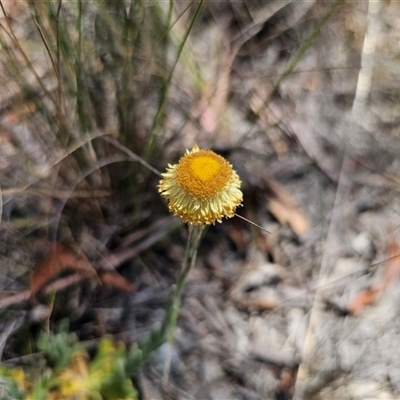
299,55
164,91
195,232
252,223
22,52
190,258
141,352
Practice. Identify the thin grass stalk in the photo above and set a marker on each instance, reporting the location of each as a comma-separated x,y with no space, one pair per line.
56,67
300,53
158,119
22,52
58,52
162,39
170,9
29,92
60,91
12,64
78,69
298,56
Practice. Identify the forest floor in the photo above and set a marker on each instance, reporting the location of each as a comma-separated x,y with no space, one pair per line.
302,98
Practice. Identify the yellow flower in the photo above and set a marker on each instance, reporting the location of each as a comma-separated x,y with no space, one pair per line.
74,381
202,188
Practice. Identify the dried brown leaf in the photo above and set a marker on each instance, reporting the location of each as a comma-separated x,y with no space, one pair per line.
266,302
115,280
286,209
363,299
391,273
56,261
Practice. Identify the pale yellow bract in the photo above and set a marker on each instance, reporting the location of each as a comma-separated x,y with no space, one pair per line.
202,188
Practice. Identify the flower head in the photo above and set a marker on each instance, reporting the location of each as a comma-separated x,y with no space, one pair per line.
202,188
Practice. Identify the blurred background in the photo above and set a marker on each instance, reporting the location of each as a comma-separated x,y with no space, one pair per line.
97,97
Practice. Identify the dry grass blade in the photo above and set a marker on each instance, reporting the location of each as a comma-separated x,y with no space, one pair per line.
131,154
1,205
22,52
60,194
390,275
124,254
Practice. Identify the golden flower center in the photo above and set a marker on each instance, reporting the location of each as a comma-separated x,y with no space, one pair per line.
203,174
204,168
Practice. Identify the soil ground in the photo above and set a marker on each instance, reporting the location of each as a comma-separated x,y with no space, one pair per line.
309,310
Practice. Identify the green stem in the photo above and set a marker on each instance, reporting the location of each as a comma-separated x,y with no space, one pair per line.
141,352
195,232
176,293
157,122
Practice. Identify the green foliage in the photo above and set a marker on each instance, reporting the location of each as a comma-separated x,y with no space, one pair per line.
72,375
84,70
59,348
11,384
